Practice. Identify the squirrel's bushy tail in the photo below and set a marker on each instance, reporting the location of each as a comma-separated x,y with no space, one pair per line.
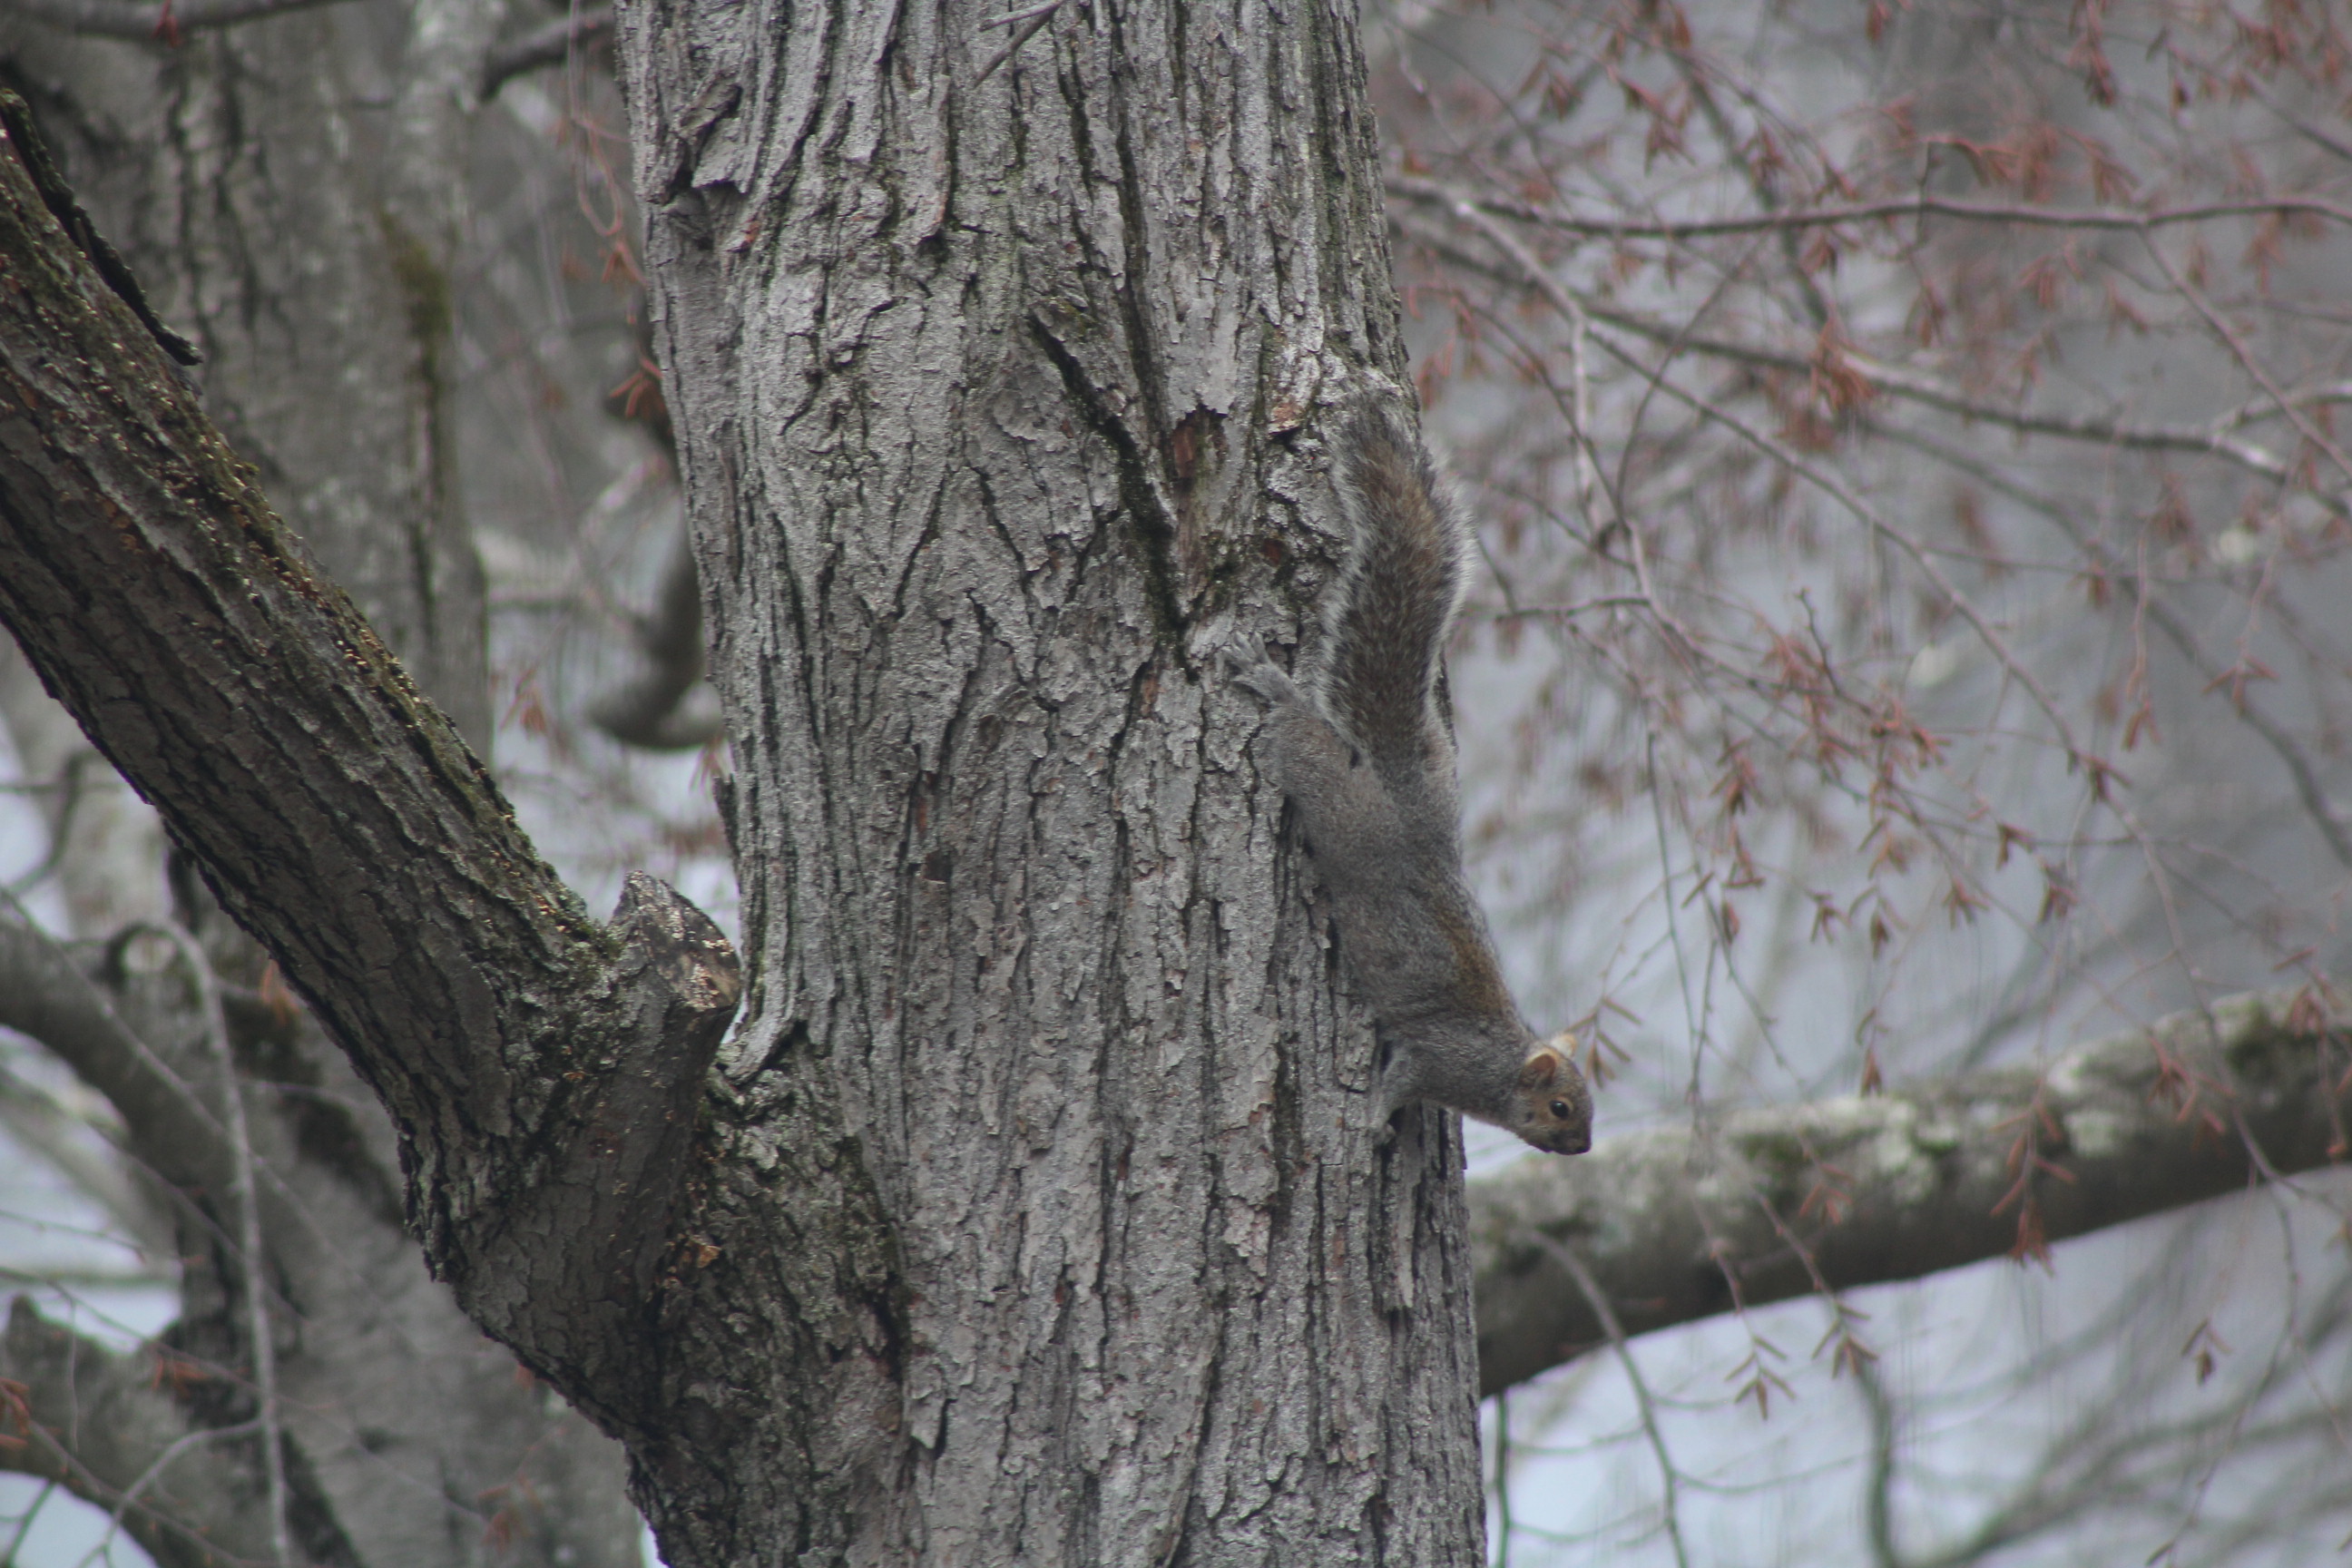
1404,578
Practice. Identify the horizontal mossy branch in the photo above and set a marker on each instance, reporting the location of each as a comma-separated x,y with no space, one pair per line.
1869,1189
543,1070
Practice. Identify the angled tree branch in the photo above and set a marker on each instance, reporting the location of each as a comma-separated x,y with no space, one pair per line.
43,996
543,1070
549,44
1900,1185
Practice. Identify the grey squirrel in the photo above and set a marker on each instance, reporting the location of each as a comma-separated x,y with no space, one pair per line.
1367,762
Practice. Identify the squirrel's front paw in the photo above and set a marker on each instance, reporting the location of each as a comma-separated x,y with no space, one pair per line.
1251,669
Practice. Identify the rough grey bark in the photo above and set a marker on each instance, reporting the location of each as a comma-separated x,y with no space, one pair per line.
1773,1203
997,393
1034,1215
1200,1315
266,221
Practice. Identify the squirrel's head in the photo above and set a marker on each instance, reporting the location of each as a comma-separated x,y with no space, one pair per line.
1553,1108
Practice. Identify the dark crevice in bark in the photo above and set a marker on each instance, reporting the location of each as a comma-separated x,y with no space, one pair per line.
1153,525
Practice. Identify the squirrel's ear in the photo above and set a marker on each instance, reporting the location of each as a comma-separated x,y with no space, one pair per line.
1540,1070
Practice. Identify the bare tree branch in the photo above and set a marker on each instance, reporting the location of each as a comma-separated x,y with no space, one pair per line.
46,1129
2302,770
2217,439
1415,188
44,996
102,1427
531,1059
1900,1185
549,44
1669,1475
644,712
253,1289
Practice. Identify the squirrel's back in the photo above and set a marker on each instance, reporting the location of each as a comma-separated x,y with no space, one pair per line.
1365,759
1408,566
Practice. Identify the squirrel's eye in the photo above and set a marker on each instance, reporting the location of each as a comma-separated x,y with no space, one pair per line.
1559,1108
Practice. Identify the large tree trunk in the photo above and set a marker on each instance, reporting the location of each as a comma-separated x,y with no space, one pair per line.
1052,1224
1037,1214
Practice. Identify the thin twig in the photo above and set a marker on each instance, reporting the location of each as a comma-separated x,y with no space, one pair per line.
1912,386
1868,516
1568,611
205,1122
2244,355
1028,20
2301,769
1503,1479
1026,13
1851,1348
1878,1504
243,1193
24,1524
71,791
195,1125
1831,484
1567,304
1598,1302
172,1451
79,1480
2098,770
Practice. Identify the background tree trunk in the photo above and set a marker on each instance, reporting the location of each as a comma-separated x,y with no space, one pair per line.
998,396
